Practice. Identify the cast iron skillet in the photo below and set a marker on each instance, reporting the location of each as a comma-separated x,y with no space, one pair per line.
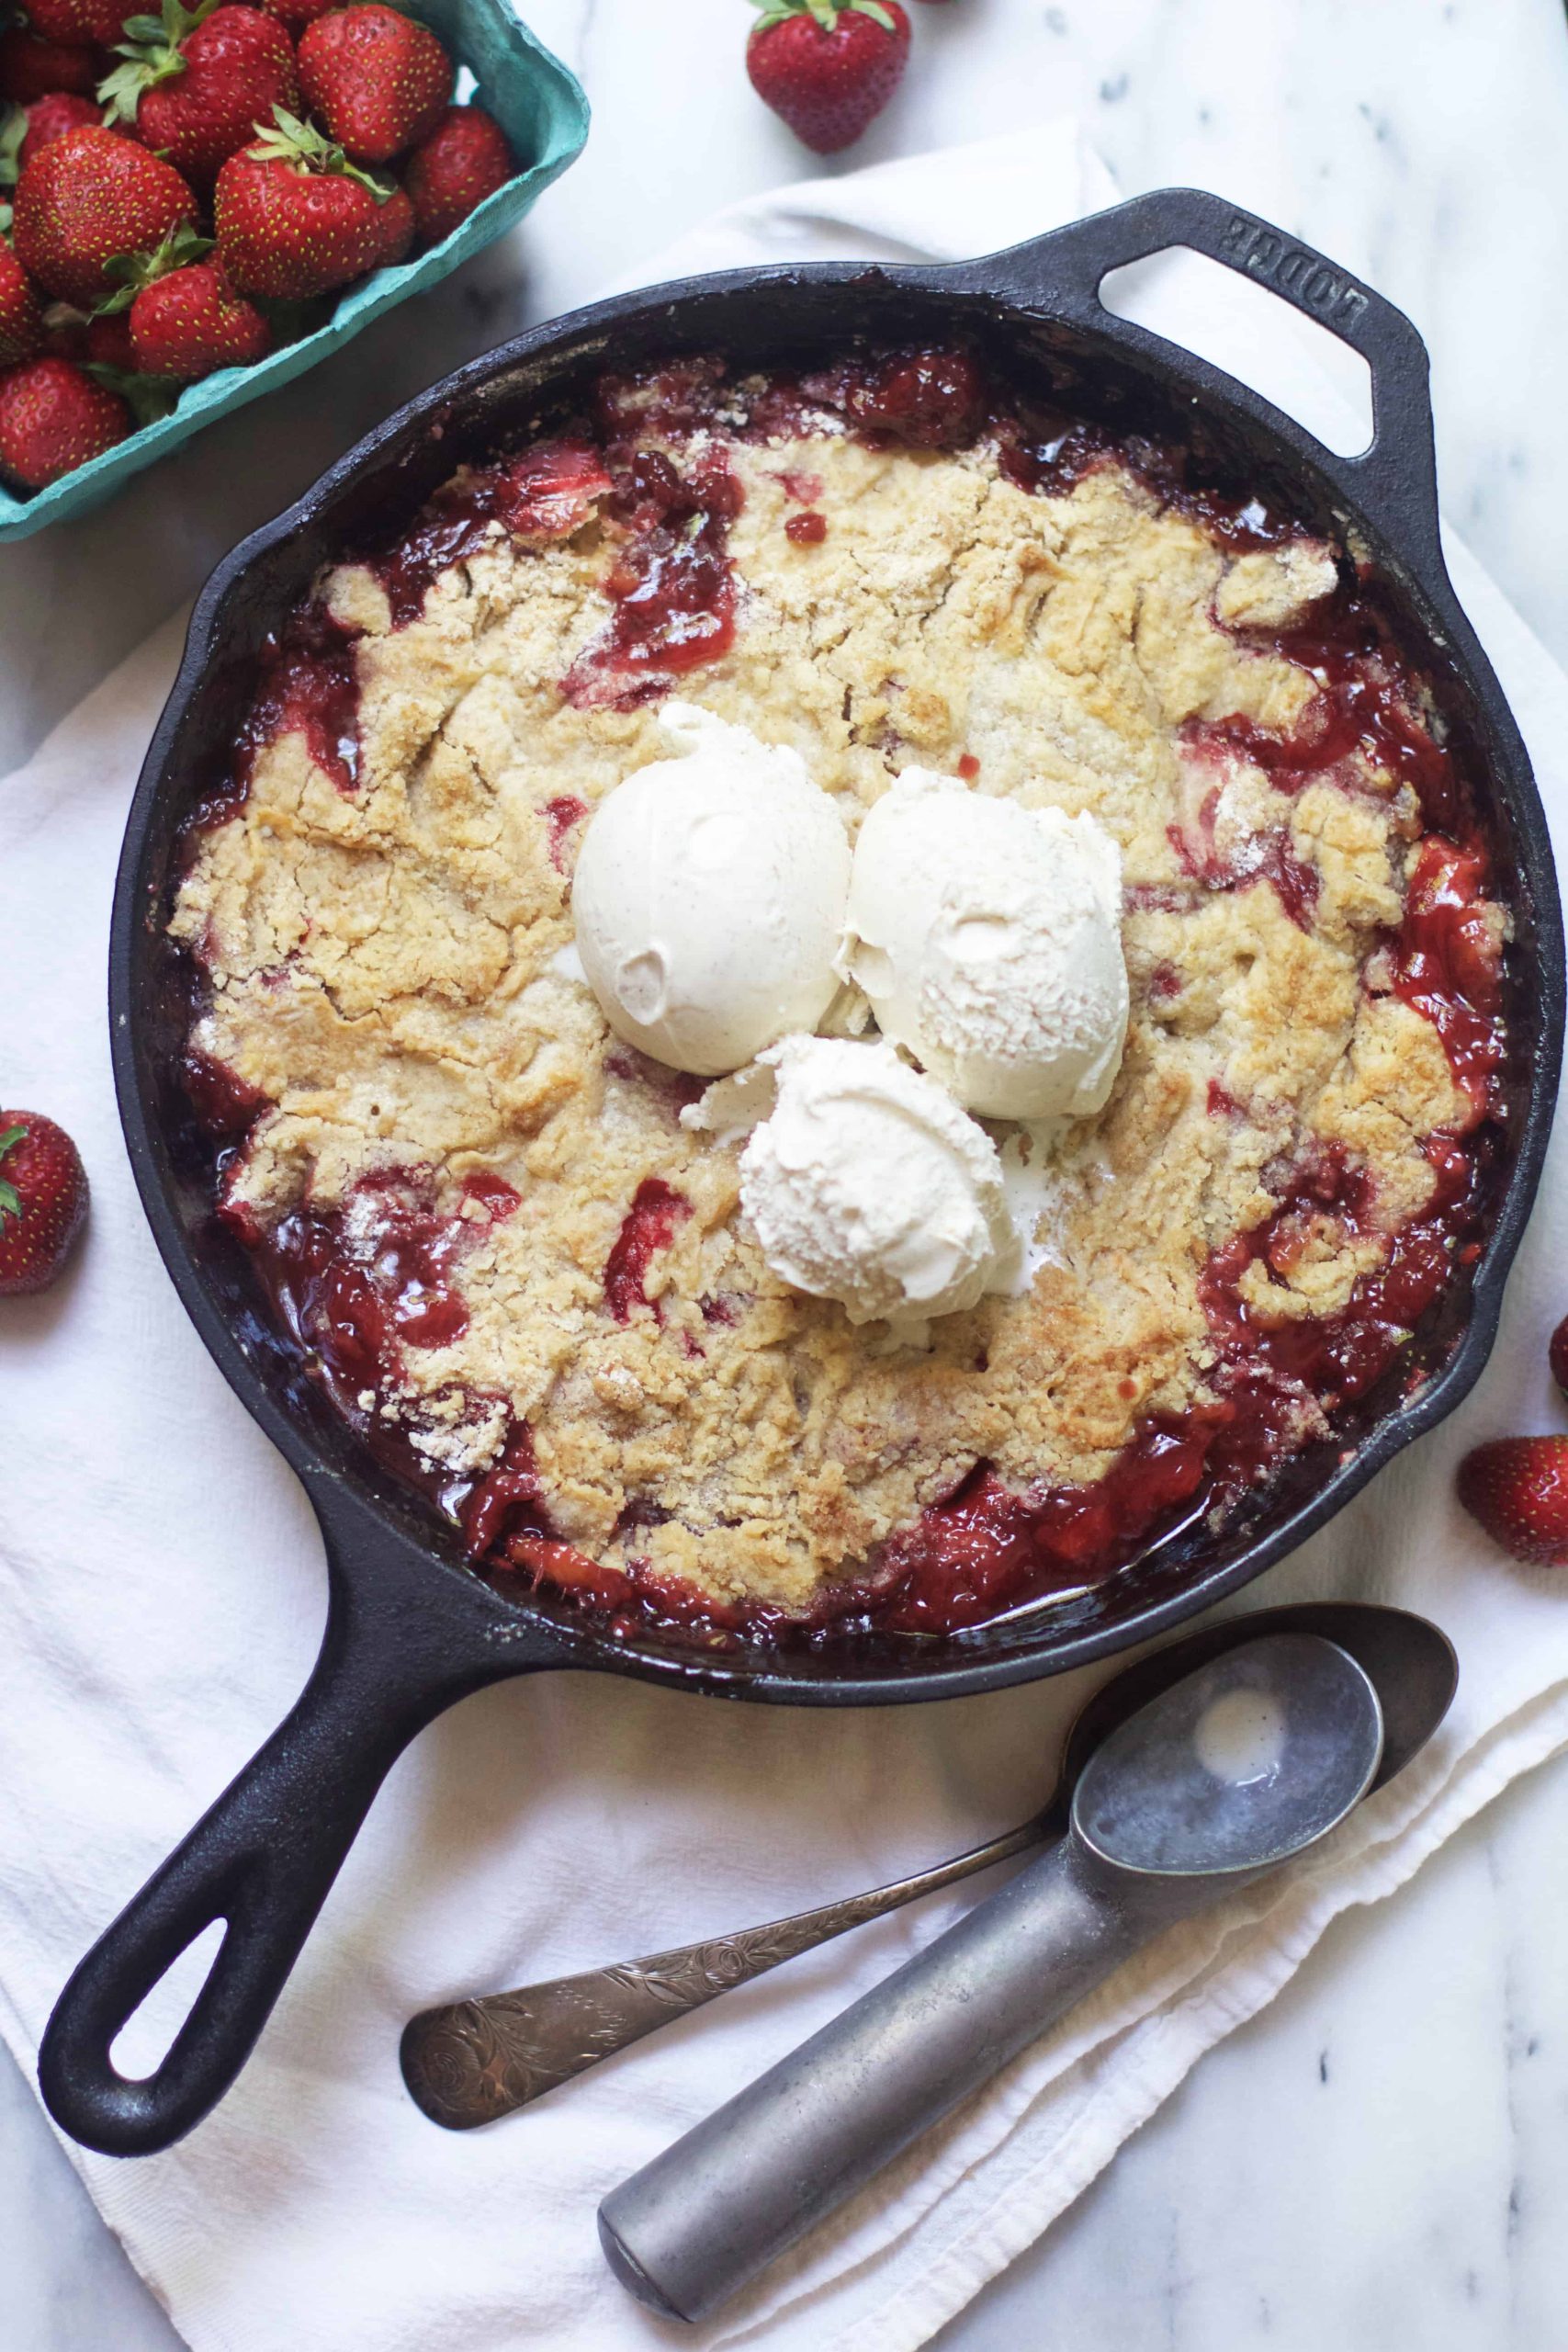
410,1629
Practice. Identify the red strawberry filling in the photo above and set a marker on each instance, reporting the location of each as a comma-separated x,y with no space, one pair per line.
360,1286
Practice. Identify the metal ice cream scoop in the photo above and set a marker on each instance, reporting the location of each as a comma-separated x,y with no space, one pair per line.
1222,1777
468,2062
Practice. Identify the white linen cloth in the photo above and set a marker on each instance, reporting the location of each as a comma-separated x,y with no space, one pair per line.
159,1595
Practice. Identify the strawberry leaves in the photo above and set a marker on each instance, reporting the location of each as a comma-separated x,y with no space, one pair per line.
10,1199
133,271
825,12
306,149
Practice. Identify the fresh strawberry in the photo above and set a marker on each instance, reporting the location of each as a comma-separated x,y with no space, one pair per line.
21,315
829,67
43,1201
85,198
465,159
295,217
1557,1355
379,82
196,85
78,24
53,417
51,118
192,321
30,68
1518,1488
297,14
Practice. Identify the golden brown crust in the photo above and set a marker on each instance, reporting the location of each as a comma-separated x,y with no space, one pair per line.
384,970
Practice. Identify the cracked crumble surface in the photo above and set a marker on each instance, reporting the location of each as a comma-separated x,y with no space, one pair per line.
386,971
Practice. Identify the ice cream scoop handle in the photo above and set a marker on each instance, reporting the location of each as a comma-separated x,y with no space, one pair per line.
691,2229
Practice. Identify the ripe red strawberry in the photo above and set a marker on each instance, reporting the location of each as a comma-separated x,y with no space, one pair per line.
21,315
53,417
30,68
379,82
1558,1355
85,198
51,118
43,1201
829,67
195,86
295,217
78,24
1518,1488
192,321
297,14
465,159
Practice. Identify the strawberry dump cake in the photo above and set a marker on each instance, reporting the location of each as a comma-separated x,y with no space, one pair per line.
829,1003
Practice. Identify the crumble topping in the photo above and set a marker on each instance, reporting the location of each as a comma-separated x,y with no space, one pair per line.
385,932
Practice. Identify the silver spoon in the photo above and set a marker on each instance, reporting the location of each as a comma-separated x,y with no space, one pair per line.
468,2062
1235,1768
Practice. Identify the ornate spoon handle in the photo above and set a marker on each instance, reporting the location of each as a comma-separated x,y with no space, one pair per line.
473,2061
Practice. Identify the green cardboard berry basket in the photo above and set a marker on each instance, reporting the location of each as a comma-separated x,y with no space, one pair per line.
541,107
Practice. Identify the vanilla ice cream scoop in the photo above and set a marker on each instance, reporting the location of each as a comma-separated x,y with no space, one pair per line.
987,937
868,1184
709,898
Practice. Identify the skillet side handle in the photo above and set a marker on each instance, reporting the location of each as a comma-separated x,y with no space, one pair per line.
262,1860
1395,478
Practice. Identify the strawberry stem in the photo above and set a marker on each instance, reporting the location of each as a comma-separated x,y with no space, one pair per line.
306,149
10,1199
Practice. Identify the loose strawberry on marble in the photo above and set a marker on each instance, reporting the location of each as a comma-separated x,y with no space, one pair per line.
31,68
87,198
53,418
465,159
22,328
295,217
1557,1355
51,118
1518,1488
194,85
379,82
43,1201
827,67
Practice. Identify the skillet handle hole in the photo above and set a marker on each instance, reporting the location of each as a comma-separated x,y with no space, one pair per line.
1238,325
144,2040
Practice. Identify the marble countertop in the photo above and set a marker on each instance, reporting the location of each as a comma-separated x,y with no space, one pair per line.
1380,2157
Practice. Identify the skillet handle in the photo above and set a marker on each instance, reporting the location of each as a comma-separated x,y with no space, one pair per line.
262,1860
1395,478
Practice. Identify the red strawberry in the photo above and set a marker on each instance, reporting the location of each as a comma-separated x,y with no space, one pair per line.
196,86
85,198
1518,1488
30,68
192,321
829,67
51,118
78,24
43,1201
21,318
465,159
1558,1355
379,82
297,14
53,417
295,217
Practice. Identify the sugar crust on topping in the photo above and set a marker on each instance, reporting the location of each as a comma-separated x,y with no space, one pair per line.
385,970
